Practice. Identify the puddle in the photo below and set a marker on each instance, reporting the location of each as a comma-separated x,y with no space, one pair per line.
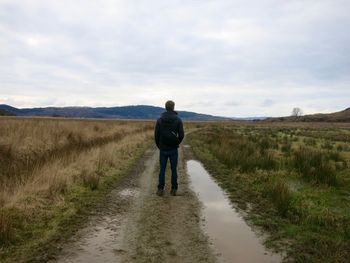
101,240
129,192
232,238
99,245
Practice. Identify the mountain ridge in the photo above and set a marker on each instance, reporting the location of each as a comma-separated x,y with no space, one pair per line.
6,113
153,112
122,112
339,116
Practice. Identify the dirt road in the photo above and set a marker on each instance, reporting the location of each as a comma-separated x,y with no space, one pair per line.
135,225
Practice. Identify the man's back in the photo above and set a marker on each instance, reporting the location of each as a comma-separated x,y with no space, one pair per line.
169,131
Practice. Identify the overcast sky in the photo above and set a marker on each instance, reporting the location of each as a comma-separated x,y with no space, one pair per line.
229,58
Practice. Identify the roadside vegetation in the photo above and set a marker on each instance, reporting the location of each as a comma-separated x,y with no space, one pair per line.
293,182
53,170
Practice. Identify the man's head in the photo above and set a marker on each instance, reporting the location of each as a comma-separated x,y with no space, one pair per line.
169,105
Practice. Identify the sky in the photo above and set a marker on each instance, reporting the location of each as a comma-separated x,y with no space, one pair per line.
235,58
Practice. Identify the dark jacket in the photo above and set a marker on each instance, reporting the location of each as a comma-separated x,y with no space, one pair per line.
169,131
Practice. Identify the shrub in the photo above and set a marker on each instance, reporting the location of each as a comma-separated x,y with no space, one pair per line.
11,219
324,218
265,143
266,162
314,166
340,148
91,179
327,145
6,227
286,147
310,141
334,156
59,187
281,196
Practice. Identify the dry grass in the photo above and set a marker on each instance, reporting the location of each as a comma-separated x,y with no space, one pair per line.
44,159
6,228
53,179
26,145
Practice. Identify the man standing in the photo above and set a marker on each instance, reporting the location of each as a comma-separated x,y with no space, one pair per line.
168,135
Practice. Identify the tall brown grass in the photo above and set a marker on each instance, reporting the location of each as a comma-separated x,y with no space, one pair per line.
43,159
27,144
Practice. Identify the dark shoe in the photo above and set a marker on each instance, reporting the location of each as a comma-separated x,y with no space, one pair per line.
160,192
173,192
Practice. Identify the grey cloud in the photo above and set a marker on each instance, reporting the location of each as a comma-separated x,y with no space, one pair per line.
267,55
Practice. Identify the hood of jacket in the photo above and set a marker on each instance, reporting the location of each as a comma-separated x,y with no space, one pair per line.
169,116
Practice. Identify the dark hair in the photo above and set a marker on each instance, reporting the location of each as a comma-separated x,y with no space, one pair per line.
169,105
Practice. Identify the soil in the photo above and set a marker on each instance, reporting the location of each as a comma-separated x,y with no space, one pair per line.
136,225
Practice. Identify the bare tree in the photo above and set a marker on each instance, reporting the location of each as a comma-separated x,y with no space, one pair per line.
297,112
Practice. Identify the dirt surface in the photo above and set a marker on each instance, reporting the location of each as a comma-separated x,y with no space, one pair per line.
135,225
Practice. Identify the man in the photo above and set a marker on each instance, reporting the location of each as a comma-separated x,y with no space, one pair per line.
168,135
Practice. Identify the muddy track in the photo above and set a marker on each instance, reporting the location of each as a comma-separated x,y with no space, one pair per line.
135,225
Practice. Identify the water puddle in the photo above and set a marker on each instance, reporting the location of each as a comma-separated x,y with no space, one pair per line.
129,192
232,238
101,240
100,243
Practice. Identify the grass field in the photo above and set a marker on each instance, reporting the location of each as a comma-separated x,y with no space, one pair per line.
292,181
52,169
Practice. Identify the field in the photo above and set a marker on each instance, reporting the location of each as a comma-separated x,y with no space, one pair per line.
290,181
52,169
293,181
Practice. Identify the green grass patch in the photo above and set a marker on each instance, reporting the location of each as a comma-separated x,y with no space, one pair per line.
297,189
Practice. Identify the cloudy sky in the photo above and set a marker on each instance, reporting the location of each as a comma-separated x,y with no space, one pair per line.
223,57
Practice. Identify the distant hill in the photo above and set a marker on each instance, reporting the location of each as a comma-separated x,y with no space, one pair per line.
125,112
340,116
6,113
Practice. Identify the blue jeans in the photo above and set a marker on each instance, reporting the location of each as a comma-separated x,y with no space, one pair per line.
163,159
